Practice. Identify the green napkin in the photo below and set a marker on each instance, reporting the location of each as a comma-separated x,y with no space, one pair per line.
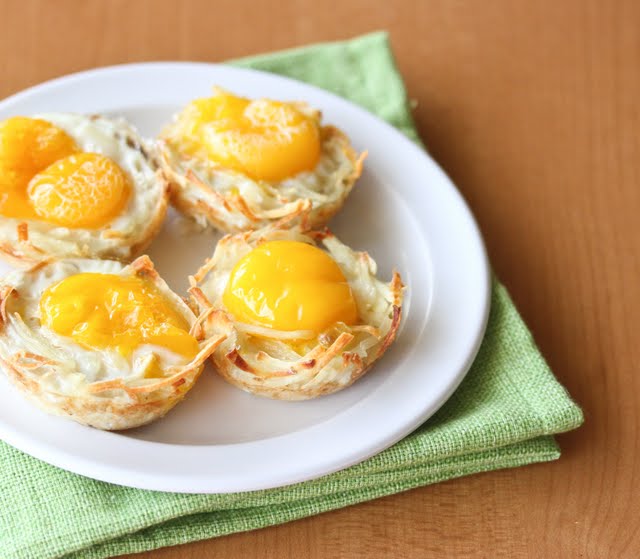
503,414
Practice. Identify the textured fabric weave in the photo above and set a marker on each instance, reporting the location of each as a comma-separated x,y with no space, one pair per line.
503,415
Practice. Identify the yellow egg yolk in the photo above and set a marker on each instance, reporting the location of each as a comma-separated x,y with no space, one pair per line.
289,285
107,311
83,190
27,146
44,176
264,139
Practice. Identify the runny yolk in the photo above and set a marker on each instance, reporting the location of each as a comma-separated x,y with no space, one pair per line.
289,285
266,140
44,176
27,146
83,190
107,311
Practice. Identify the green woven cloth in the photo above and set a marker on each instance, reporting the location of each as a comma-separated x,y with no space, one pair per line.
503,414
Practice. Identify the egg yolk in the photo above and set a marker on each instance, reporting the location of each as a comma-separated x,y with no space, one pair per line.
44,176
84,190
27,146
289,285
107,311
264,139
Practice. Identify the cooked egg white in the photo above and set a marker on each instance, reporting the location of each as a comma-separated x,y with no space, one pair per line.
76,186
303,315
240,164
109,345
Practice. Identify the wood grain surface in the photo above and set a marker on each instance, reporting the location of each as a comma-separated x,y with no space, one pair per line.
534,110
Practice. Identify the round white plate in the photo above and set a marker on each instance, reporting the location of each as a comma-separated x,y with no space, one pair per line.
404,211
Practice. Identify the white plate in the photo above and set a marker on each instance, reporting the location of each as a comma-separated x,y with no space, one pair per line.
404,211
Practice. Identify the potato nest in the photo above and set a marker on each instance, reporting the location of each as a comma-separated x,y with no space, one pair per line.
99,388
25,242
233,202
297,365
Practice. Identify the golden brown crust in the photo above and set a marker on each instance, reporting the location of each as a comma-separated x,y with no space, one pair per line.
237,361
6,291
24,254
99,412
335,362
117,403
144,268
156,221
23,232
212,206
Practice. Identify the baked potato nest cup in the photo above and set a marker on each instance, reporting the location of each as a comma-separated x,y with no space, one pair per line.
233,202
265,362
24,243
50,372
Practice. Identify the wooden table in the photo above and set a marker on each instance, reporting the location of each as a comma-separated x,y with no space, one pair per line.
534,110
